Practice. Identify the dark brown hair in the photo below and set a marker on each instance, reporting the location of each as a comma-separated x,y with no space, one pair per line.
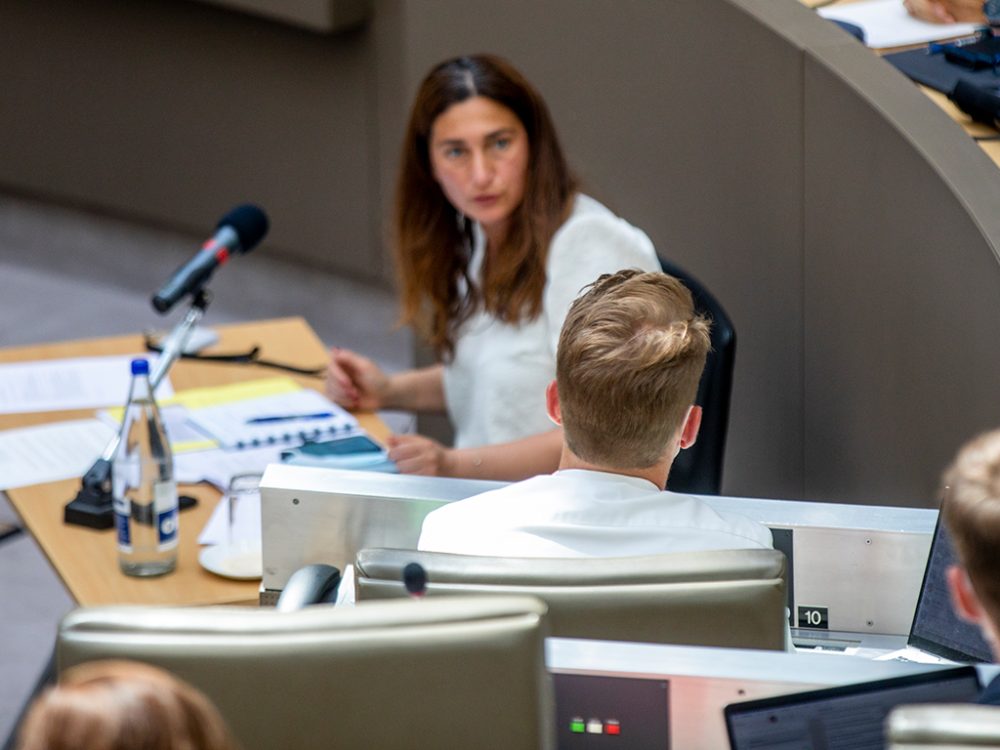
122,705
432,243
630,357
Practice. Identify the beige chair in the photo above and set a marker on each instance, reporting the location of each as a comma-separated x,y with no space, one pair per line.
408,675
732,598
946,726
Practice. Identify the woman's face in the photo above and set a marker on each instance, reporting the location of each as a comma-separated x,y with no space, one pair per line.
479,156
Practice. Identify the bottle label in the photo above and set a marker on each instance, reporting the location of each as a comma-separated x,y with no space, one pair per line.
123,509
165,507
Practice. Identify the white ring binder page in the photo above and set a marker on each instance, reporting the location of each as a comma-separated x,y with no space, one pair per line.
287,417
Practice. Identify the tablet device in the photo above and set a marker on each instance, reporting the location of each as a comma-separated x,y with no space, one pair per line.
847,716
936,629
351,452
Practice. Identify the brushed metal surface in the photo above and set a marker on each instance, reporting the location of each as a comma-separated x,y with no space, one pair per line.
314,515
864,564
702,681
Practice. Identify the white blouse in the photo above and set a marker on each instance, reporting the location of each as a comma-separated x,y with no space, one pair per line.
495,384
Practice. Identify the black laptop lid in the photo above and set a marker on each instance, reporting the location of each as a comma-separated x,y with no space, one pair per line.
936,628
848,717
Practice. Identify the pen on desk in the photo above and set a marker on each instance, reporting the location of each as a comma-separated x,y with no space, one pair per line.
289,417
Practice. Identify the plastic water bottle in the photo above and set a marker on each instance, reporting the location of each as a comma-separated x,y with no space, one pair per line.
143,487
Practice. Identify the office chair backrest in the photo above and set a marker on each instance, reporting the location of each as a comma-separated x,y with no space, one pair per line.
733,598
450,673
698,469
959,726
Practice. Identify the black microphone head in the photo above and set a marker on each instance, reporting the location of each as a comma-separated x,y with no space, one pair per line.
250,224
415,578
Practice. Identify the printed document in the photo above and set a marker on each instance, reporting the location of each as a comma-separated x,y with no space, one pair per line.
64,384
50,452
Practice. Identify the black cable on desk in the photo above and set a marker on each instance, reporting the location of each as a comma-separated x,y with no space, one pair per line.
250,357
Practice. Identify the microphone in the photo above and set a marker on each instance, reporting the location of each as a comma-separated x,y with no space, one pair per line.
415,579
237,232
980,103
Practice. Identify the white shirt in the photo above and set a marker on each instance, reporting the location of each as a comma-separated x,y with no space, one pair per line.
581,513
495,384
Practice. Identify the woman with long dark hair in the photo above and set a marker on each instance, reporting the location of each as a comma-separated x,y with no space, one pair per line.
492,242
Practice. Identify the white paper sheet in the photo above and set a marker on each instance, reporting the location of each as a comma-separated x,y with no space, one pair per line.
229,422
887,24
219,466
182,434
47,453
63,384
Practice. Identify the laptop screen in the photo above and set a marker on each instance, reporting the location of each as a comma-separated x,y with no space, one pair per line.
849,716
936,628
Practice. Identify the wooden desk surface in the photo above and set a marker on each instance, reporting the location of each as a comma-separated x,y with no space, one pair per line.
87,559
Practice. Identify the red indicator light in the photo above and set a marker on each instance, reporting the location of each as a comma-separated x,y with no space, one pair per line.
611,726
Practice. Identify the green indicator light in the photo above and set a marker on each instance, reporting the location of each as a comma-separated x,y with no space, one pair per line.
577,726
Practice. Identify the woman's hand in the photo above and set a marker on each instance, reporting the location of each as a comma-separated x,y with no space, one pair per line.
416,454
355,382
946,11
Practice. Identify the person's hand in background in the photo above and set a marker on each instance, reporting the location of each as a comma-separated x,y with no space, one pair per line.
946,11
355,382
416,454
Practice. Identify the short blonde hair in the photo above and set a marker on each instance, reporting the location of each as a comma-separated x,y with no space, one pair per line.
971,508
630,356
123,705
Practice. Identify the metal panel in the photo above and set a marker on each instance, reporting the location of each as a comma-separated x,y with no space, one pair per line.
704,680
864,564
314,515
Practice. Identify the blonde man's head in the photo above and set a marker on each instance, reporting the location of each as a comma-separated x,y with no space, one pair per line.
630,356
971,511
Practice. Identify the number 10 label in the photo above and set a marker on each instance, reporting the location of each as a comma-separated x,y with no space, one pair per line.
814,617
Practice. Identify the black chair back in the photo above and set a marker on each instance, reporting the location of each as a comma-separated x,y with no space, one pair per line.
698,469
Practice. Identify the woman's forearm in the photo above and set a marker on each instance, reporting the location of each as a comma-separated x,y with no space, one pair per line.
416,390
519,459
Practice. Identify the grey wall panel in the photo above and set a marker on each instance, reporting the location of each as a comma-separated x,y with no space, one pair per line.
171,112
902,309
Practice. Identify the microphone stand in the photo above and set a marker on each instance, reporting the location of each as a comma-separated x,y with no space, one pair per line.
92,506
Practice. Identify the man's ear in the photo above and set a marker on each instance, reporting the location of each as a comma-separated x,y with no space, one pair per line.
963,597
552,403
692,423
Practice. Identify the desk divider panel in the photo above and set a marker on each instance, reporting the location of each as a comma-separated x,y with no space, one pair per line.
862,565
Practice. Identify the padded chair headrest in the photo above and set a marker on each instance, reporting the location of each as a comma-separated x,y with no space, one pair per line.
680,567
206,621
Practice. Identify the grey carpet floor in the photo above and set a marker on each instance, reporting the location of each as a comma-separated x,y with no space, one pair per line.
67,274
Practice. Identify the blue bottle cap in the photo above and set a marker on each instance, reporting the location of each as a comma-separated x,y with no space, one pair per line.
140,367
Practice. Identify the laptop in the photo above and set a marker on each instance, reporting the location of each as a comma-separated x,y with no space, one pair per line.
847,716
937,633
